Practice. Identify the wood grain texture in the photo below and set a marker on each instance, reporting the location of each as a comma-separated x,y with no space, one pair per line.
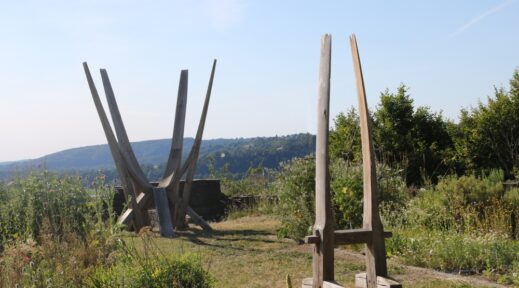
323,258
193,155
162,205
175,154
120,130
376,252
120,163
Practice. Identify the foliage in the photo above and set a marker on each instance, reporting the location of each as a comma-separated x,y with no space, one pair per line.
462,224
295,186
152,269
54,231
454,252
490,137
415,140
345,137
61,202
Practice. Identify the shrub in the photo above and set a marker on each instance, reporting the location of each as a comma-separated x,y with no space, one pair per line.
54,231
454,252
152,269
295,186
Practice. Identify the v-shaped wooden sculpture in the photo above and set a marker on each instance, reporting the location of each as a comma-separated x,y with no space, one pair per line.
325,236
137,189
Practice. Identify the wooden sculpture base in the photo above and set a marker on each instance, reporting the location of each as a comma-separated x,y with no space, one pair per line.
382,282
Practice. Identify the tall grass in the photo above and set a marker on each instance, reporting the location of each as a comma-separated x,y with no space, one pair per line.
56,233
464,224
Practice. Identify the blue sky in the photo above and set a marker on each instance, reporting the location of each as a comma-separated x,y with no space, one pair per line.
450,54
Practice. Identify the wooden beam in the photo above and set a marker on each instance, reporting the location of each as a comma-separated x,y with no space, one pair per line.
175,154
343,237
355,236
376,251
323,269
118,158
164,215
197,219
120,130
382,282
308,282
193,157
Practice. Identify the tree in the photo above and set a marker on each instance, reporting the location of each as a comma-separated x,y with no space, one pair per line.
394,122
345,137
490,132
432,147
418,141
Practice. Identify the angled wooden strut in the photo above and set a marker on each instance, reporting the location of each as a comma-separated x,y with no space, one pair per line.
376,251
372,233
136,186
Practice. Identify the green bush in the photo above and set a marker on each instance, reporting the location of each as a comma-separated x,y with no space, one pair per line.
54,231
152,269
467,204
295,187
453,252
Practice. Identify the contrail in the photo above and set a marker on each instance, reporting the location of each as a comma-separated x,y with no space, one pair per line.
481,17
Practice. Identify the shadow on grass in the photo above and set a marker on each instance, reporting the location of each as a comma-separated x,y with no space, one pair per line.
199,237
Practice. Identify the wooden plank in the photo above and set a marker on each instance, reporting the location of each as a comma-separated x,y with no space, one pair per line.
118,158
193,157
329,284
162,205
323,269
382,282
308,282
120,130
197,219
343,237
175,154
126,149
375,252
313,239
355,236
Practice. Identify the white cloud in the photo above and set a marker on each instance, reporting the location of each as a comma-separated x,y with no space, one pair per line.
480,17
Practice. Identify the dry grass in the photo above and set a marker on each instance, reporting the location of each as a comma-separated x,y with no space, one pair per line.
245,252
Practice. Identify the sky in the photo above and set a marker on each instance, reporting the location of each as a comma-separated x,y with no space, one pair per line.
451,54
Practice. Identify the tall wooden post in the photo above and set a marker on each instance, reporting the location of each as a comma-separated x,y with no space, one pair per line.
376,251
372,233
324,223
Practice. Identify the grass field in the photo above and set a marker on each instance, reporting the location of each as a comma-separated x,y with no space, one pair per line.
245,252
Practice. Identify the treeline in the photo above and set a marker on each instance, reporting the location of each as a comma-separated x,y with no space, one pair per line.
425,145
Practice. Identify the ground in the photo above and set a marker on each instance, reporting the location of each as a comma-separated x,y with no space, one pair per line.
245,252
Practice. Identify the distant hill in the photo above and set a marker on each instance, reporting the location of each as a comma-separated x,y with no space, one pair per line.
238,154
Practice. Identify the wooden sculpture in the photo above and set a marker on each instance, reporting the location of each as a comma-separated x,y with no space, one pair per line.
372,233
139,192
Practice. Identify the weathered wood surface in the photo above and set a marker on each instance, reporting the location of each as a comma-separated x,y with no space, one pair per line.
175,154
308,282
195,150
136,186
382,282
162,205
376,251
118,157
355,236
323,269
182,206
120,130
343,237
